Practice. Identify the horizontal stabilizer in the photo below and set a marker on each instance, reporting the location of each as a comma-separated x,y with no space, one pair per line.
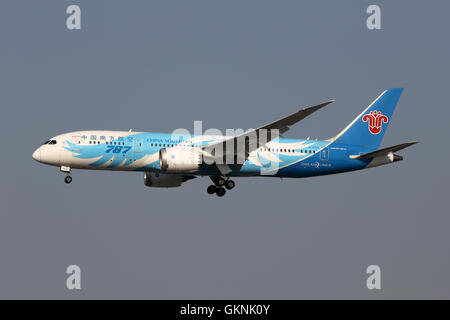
384,151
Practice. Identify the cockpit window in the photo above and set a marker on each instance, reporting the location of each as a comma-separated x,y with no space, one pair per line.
52,142
46,142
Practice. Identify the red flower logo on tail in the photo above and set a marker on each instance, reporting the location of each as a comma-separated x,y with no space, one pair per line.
375,119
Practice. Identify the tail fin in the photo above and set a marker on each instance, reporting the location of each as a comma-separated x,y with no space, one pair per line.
368,128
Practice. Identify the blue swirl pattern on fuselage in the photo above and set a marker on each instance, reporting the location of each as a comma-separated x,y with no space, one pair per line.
82,151
286,158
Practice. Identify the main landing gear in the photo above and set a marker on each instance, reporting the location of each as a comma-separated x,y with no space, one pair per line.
219,186
68,178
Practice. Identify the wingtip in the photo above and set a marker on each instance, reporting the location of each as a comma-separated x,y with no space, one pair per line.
328,102
319,106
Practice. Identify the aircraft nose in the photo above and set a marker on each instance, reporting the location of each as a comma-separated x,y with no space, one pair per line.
37,155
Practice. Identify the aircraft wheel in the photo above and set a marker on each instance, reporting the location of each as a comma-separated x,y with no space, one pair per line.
220,182
68,179
220,192
211,189
229,184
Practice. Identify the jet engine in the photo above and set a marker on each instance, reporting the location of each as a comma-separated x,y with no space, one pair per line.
180,159
164,180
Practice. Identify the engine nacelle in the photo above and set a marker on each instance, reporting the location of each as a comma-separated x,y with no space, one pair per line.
165,180
180,159
162,180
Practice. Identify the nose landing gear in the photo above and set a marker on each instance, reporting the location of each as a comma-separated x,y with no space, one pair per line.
218,186
68,178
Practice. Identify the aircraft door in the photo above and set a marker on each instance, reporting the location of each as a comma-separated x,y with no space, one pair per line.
75,140
138,145
325,154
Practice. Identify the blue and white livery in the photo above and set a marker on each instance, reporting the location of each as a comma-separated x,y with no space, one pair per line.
168,160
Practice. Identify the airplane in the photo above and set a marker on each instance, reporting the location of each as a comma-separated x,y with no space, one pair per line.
168,161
